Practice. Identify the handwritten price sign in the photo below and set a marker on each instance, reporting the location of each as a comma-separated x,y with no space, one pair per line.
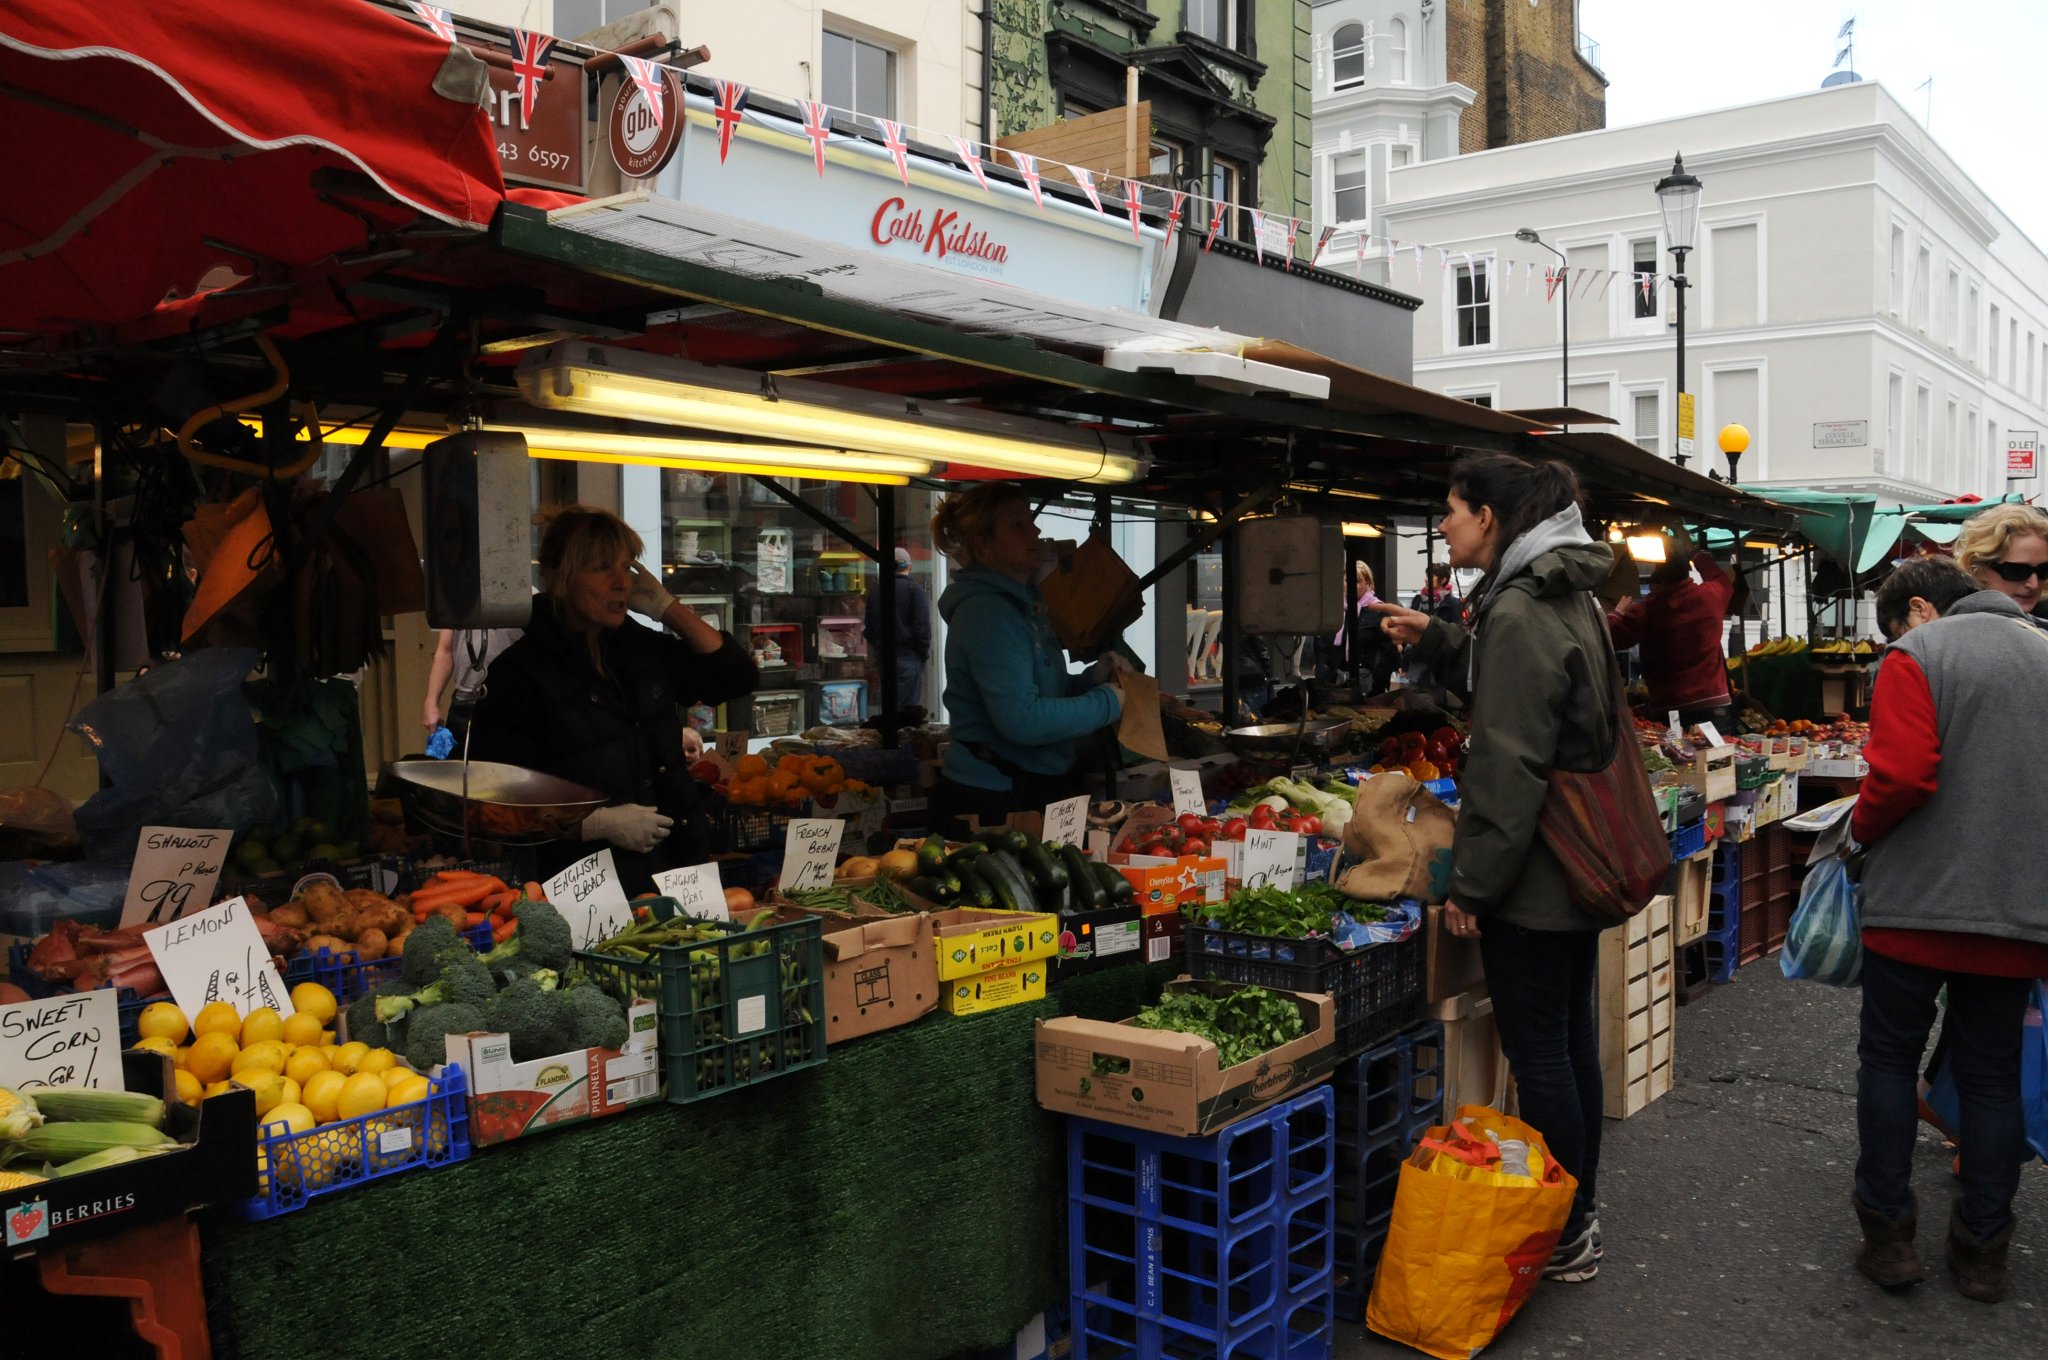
809,851
588,895
1270,859
697,891
62,1041
1066,822
1187,792
217,955
175,871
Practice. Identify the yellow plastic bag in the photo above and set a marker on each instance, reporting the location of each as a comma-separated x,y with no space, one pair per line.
1469,1239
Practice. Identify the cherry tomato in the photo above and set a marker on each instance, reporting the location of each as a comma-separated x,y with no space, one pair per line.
1308,826
1212,827
1233,830
1190,824
1262,818
1159,849
1195,846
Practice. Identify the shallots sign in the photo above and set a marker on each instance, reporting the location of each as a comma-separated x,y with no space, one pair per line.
941,232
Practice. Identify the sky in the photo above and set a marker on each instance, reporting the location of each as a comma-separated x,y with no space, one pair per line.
1669,58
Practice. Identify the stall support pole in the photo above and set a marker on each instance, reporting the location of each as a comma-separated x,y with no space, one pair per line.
1784,623
885,610
1232,644
1353,648
103,620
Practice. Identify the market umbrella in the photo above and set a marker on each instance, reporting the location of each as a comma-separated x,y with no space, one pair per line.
161,150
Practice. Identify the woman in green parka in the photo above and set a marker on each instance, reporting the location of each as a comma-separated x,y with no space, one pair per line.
1534,669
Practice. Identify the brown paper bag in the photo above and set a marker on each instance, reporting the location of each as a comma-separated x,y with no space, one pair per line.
1091,598
1139,729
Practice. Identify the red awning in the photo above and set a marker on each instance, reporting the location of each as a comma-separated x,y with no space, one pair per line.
156,149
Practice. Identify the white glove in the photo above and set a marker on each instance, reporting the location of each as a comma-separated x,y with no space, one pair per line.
631,826
649,596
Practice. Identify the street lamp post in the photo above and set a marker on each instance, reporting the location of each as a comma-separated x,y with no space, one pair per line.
1564,310
1734,441
1678,194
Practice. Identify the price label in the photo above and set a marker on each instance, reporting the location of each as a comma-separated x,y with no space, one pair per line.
1712,734
175,872
1271,859
697,891
72,1040
588,895
732,745
809,851
1677,728
1066,822
217,955
1187,792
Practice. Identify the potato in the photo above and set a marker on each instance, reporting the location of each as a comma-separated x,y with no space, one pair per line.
371,944
457,916
333,944
293,915
324,904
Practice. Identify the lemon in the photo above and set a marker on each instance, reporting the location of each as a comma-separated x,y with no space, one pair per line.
312,998
268,1086
302,1066
322,1095
155,1043
303,1028
218,1017
327,1039
297,1116
267,1054
213,1056
162,1019
411,1088
262,1024
329,1050
180,1058
189,1089
363,1094
217,1088
378,1060
396,1074
349,1057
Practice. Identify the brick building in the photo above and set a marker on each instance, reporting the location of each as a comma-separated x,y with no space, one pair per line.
1535,74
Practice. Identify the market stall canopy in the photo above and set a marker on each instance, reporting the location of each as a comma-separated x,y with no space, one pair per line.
1612,461
158,152
1940,523
1837,524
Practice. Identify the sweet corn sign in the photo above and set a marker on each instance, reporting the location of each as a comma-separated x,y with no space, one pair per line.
72,1040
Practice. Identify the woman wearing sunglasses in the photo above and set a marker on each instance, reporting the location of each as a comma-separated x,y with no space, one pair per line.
2006,550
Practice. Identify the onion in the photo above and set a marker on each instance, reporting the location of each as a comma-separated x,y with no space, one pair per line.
738,900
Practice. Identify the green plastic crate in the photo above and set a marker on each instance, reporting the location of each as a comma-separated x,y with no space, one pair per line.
746,1007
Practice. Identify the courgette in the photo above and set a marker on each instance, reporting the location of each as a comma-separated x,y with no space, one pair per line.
929,888
931,854
1042,861
1088,892
975,886
1114,884
1013,891
1005,839
971,850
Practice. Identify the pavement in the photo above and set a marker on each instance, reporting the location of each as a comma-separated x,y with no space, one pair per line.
1725,1211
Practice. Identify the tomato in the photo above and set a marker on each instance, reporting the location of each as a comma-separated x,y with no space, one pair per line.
1308,826
1195,846
1233,830
1262,818
1190,824
1211,828
1158,848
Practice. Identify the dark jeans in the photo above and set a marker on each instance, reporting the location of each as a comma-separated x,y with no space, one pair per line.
952,803
1544,983
1984,1030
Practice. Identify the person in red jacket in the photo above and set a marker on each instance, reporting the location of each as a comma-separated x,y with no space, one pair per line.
1678,627
1958,731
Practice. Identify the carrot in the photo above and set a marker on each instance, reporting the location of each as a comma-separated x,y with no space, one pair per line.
502,931
467,895
471,920
533,892
499,901
457,875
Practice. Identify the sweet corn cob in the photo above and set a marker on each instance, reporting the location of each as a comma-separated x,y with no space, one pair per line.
104,1158
62,1142
18,1114
16,1180
82,1103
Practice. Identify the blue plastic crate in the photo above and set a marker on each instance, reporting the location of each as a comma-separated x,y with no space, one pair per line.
1219,1246
127,1002
294,1169
1727,864
1688,841
1358,1260
1387,1099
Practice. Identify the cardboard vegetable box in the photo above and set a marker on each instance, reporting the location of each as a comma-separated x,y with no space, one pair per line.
881,968
510,1100
1172,1083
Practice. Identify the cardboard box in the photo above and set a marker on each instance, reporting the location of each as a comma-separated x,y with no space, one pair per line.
1163,886
1162,936
1453,963
969,940
567,1088
995,989
879,973
1171,1083
1093,940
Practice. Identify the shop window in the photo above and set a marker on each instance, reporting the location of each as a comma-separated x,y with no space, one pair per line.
1649,423
1923,283
1348,189
1898,274
1227,23
1894,418
1397,51
791,592
1991,338
1230,183
1643,262
1474,306
1923,429
1347,56
858,75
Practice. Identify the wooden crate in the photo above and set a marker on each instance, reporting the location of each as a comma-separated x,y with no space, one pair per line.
1712,772
1689,901
1637,1009
1475,1072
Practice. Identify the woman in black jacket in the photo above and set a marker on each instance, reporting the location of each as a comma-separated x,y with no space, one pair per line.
1535,667
586,697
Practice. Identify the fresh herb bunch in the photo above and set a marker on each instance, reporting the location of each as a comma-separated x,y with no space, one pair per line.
1293,913
1244,1024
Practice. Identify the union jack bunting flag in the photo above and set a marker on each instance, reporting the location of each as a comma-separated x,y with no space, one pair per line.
1027,166
1293,230
1134,200
437,20
646,78
817,127
530,68
1259,235
1173,214
732,106
1215,225
1323,239
971,158
1087,178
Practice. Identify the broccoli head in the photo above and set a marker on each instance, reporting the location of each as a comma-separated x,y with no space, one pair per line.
535,1017
543,939
595,1020
460,977
424,945
363,1021
428,1027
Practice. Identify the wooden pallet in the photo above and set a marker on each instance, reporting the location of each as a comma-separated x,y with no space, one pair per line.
1637,1009
1691,880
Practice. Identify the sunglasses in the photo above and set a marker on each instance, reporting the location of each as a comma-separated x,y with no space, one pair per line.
2017,572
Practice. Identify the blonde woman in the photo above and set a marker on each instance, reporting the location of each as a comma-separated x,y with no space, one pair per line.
1016,711
2006,550
587,696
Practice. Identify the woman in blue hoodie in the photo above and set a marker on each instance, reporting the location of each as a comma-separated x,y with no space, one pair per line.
1016,712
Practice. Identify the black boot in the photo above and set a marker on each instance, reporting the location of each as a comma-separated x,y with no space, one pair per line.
1887,1254
1978,1263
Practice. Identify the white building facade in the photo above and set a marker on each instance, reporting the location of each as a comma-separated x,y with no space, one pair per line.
1858,302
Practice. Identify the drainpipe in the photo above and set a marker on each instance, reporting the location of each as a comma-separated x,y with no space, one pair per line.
988,68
